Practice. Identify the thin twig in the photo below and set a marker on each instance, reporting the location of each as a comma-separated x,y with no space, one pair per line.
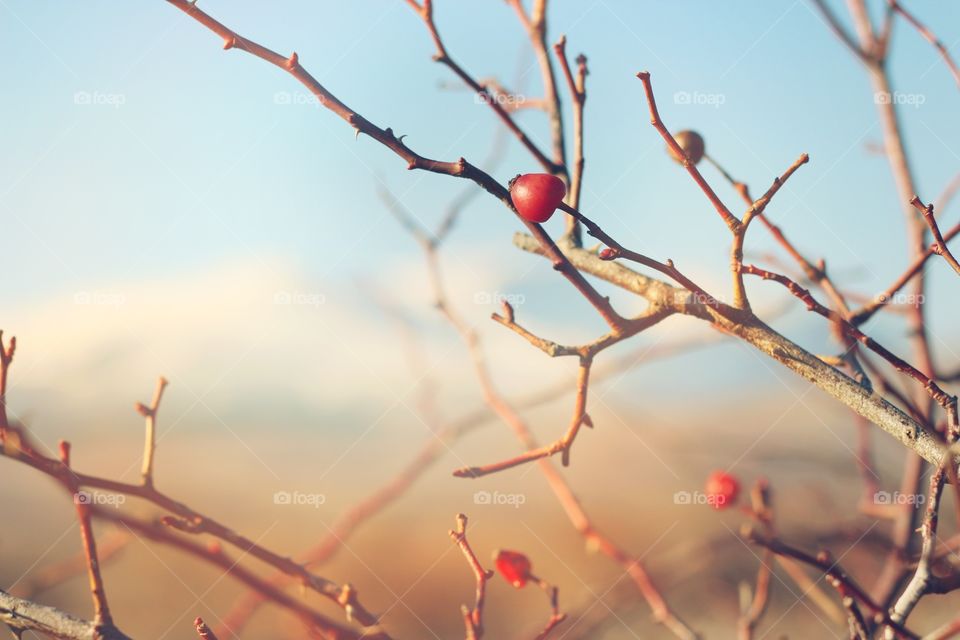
841,581
940,245
922,577
472,617
728,218
101,610
150,440
578,97
203,630
930,37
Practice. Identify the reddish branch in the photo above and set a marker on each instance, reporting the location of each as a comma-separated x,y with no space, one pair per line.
923,580
916,267
728,218
472,617
101,610
425,11
930,37
872,51
838,578
948,402
939,245
578,96
150,440
6,357
507,413
203,630
463,169
556,616
752,612
460,168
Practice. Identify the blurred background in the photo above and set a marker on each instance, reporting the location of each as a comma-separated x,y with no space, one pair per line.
172,209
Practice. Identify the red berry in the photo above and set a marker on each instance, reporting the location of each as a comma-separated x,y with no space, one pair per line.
722,489
537,195
514,567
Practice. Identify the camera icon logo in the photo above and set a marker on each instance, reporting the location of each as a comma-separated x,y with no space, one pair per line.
482,497
282,497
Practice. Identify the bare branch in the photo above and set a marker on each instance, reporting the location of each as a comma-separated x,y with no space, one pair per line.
472,618
940,245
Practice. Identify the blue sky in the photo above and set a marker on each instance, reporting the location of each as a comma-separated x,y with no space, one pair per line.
189,160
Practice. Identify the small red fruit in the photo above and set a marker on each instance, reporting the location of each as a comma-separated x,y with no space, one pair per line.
514,567
722,489
537,195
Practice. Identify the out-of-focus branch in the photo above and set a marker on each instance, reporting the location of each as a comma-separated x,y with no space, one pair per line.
535,24
556,616
6,358
578,97
754,606
868,310
184,519
53,575
930,37
839,30
425,11
203,630
438,443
